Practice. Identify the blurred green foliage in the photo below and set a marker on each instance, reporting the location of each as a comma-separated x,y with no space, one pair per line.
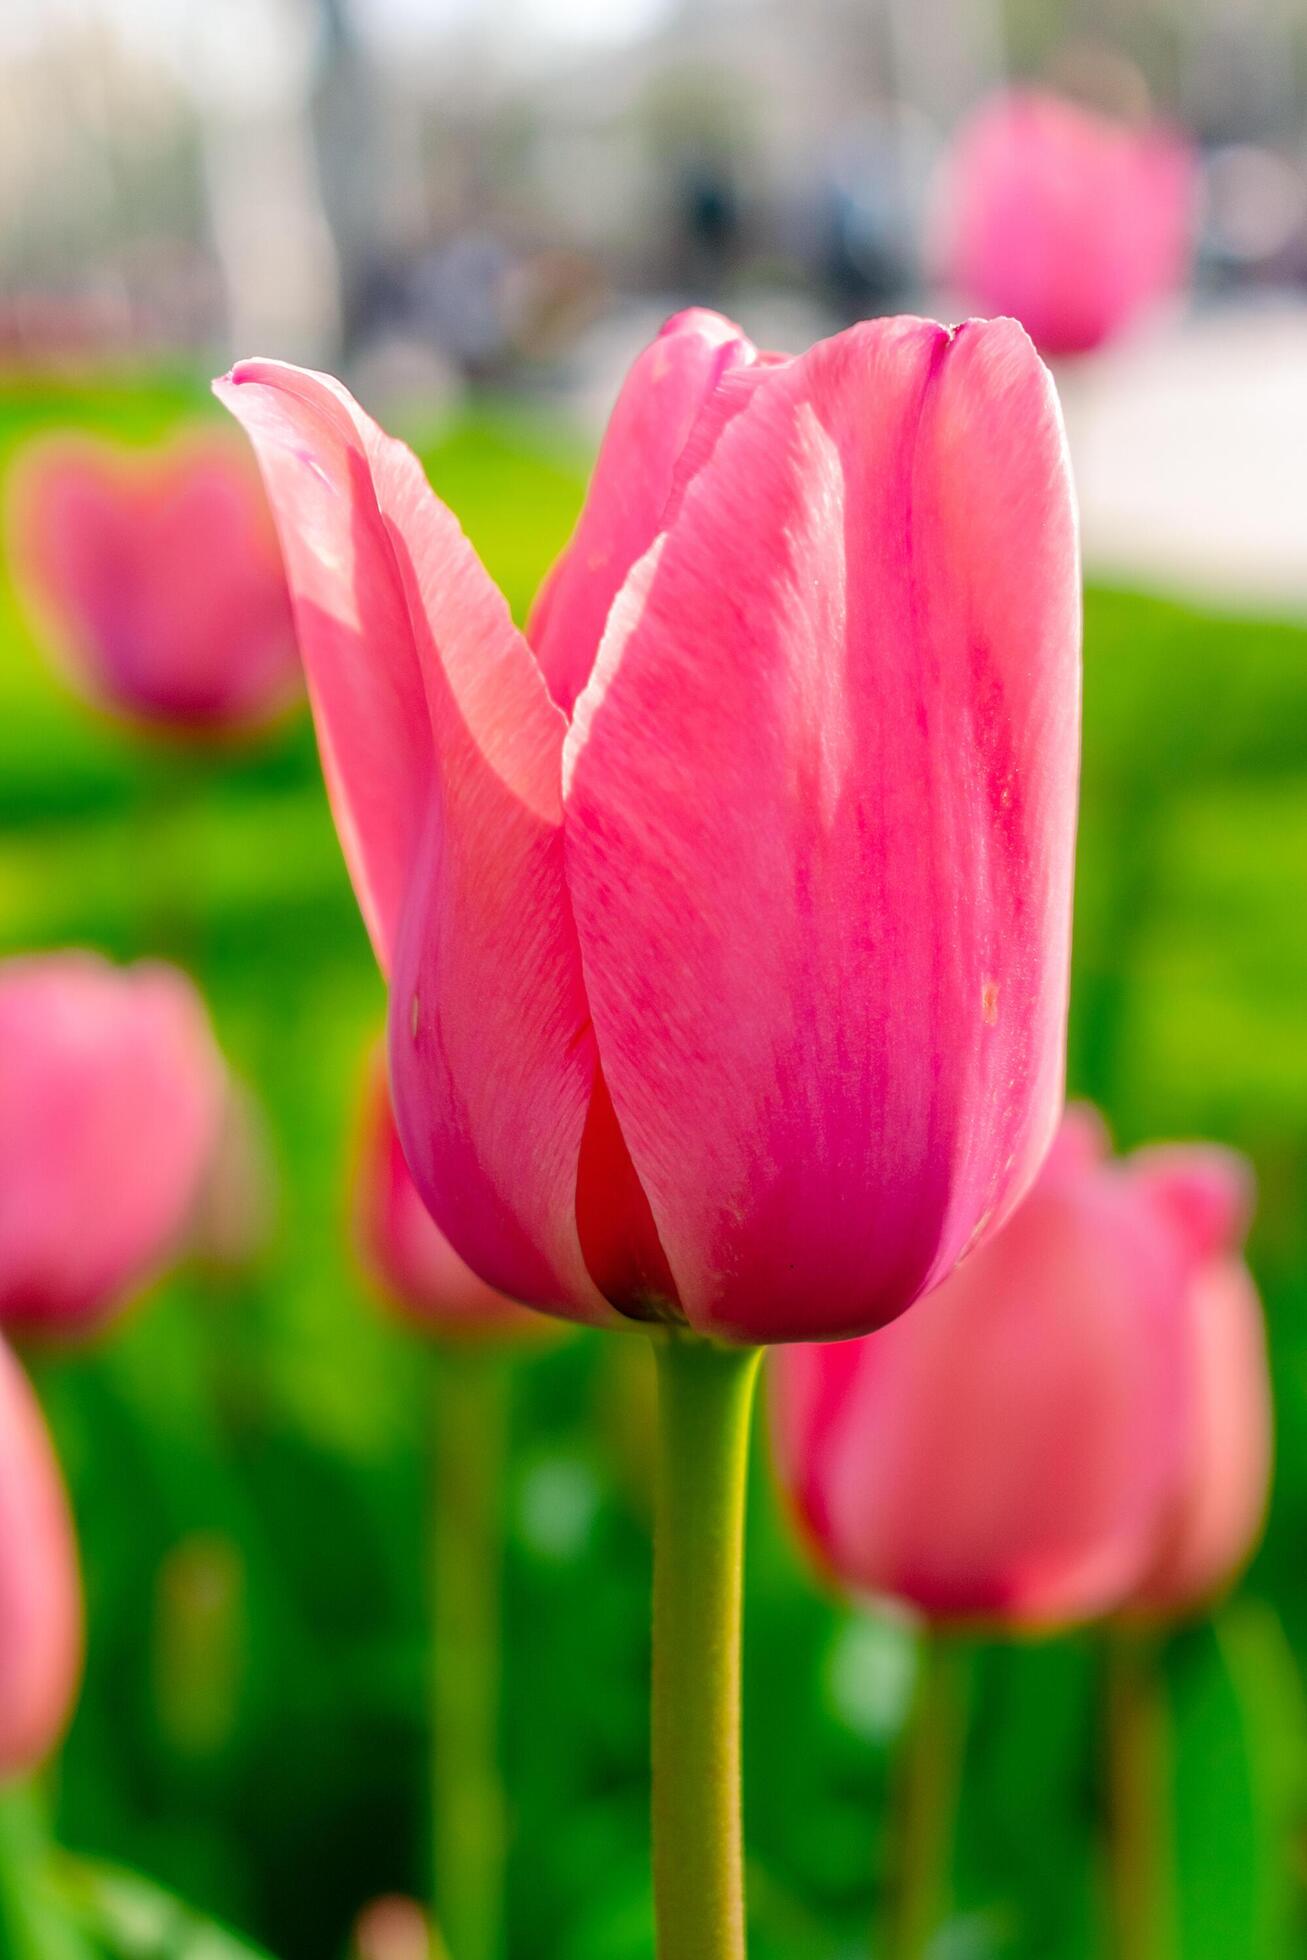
249,1459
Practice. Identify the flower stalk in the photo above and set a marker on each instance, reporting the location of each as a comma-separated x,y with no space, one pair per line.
1140,1853
470,1432
930,1781
705,1397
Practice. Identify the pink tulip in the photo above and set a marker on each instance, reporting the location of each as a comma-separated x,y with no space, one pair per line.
1074,224
40,1594
111,1103
725,912
162,582
403,1249
1017,1450
395,1928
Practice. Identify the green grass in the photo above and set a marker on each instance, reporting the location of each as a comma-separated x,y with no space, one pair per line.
248,1463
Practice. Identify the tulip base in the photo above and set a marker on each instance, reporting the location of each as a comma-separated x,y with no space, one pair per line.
705,1398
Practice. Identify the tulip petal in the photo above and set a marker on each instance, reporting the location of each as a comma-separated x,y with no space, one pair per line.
1082,1141
1212,1531
1206,1190
403,1249
318,454
442,751
820,796
40,1592
654,416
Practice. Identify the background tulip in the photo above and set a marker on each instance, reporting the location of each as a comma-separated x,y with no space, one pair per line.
113,1095
1075,224
40,1595
1074,1422
1018,1450
708,1005
403,1249
162,581
395,1928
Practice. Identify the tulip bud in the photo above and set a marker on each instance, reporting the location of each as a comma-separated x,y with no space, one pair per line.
403,1250
395,1928
1041,1441
161,581
1071,222
110,1103
40,1594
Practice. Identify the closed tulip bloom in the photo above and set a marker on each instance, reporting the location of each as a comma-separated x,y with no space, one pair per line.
40,1594
111,1096
1014,1450
725,910
395,1928
403,1249
1074,223
162,582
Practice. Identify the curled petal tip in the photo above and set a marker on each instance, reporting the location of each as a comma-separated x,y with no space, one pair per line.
703,320
1207,1191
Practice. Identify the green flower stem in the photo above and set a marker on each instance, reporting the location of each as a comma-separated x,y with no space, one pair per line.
33,1924
173,780
470,1433
930,1779
705,1395
1140,1853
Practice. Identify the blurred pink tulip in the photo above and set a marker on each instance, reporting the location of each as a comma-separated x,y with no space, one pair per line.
111,1096
40,1594
395,1928
403,1249
162,581
1019,1449
1073,223
726,913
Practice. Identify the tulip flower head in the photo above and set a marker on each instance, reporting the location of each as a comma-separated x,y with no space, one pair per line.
395,1928
111,1097
726,910
40,1593
1018,1450
162,582
403,1249
1075,224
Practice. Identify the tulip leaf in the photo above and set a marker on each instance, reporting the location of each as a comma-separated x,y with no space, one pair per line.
131,1918
1241,1745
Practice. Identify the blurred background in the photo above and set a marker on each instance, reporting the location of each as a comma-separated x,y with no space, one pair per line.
476,211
